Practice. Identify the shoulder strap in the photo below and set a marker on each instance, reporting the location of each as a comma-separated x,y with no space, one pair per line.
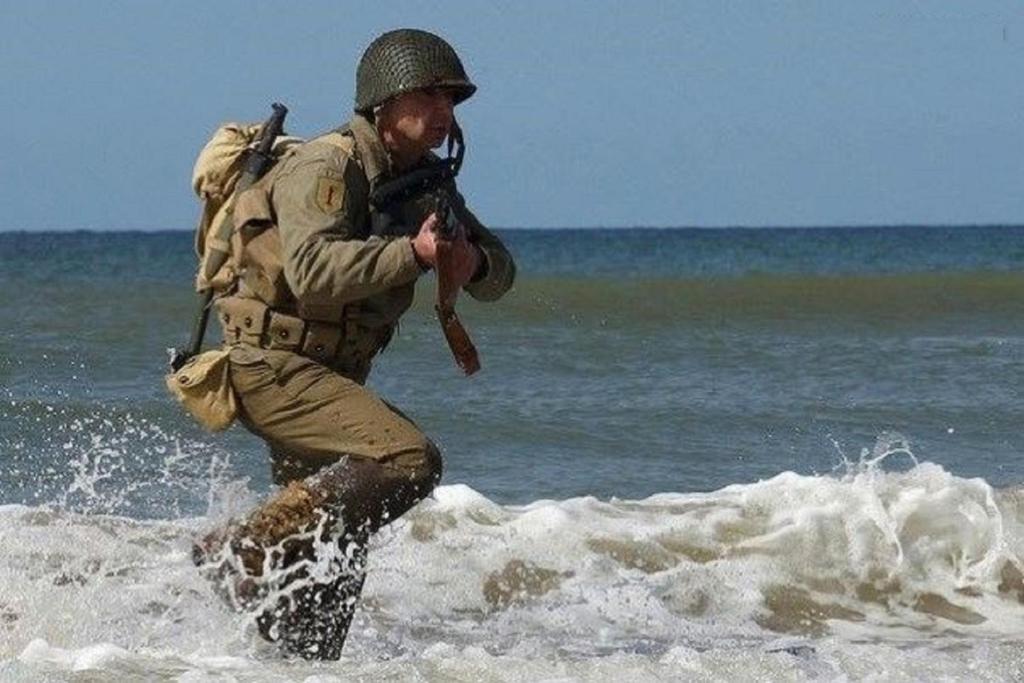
342,137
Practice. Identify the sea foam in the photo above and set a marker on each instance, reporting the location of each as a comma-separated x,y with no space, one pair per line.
783,577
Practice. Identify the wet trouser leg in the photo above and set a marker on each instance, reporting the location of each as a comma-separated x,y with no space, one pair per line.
351,463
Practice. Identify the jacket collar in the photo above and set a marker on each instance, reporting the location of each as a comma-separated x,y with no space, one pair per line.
371,151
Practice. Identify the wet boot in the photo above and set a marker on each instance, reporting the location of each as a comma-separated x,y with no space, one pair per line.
240,557
299,559
312,619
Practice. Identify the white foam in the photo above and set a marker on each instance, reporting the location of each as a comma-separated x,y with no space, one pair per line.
91,657
869,573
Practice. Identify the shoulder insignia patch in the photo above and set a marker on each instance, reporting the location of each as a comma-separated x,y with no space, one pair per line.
329,194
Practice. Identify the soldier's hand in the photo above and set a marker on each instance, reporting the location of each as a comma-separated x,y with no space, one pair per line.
424,244
465,258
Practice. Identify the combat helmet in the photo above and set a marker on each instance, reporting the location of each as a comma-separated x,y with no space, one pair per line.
408,59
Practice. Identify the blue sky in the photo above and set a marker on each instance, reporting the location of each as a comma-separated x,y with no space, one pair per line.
703,113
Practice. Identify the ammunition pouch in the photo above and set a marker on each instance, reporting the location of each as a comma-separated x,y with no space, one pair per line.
344,346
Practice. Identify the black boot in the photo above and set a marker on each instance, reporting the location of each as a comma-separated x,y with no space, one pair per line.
310,619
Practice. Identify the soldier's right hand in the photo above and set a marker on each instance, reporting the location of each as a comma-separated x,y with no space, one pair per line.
424,244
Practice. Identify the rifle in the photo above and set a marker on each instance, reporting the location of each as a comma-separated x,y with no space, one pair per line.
447,291
258,159
432,180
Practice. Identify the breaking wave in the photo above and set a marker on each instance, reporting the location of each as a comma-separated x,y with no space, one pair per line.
889,566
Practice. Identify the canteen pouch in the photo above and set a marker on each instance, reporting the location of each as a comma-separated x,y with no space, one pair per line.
203,386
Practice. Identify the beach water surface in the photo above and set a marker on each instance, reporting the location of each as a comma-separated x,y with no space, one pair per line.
690,455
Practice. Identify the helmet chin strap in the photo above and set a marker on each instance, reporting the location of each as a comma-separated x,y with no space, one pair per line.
456,144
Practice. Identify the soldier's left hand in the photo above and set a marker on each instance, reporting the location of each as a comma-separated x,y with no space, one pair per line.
465,257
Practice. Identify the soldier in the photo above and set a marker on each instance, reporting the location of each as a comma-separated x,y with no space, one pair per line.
325,276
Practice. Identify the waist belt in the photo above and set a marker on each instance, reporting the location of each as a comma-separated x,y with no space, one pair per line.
248,321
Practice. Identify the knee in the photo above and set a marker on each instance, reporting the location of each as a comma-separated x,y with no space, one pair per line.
423,467
428,474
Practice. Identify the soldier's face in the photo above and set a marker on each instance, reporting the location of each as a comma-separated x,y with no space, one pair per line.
420,120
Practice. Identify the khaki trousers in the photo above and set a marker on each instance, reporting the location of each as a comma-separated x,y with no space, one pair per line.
311,416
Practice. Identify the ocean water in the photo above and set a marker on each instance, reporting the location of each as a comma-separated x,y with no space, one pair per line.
773,454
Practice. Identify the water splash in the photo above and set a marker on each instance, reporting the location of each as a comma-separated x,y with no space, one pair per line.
802,576
99,460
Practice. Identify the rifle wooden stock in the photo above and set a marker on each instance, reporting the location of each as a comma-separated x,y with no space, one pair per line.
454,331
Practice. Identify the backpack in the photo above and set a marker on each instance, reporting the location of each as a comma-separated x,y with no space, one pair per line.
214,178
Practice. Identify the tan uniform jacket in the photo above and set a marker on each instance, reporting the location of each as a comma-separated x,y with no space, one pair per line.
333,270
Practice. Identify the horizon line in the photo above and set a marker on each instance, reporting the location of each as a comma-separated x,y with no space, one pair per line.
766,226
